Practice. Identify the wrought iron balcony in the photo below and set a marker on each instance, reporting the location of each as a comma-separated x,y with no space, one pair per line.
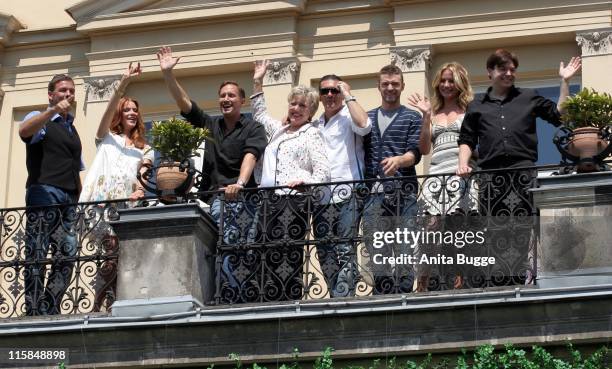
279,244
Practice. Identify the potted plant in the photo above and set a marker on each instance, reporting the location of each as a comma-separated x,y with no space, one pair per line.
588,116
176,142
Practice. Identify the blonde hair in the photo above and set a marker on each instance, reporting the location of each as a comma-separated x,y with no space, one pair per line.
462,83
312,97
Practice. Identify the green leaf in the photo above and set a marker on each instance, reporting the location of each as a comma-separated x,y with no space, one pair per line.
177,140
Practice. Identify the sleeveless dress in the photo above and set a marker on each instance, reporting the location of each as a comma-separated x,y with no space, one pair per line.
447,194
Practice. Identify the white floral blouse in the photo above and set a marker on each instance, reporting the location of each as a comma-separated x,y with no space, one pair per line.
112,174
290,156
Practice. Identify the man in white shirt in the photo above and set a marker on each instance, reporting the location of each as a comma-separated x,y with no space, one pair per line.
343,125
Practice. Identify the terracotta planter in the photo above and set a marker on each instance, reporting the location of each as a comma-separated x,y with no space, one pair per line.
169,176
171,181
586,144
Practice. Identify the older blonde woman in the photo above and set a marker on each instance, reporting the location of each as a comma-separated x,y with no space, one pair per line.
295,156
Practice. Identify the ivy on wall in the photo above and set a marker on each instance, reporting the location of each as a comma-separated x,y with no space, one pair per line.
484,357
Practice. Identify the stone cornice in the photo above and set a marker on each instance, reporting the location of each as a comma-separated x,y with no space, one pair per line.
8,24
151,50
411,59
491,16
47,37
91,17
595,42
100,88
282,71
91,8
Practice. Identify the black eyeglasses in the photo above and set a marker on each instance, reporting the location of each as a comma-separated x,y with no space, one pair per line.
325,91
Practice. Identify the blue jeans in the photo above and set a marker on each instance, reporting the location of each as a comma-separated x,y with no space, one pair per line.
48,226
238,218
338,258
386,213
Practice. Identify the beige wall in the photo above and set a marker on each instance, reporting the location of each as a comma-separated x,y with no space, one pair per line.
350,38
40,14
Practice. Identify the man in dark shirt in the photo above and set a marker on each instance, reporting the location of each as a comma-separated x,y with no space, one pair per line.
229,159
53,161
503,124
237,141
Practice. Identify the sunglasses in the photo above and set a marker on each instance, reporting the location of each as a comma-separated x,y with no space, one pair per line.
325,91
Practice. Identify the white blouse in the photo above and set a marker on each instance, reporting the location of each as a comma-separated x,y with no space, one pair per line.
113,172
290,156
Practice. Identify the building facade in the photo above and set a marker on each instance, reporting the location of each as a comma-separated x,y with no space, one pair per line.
93,41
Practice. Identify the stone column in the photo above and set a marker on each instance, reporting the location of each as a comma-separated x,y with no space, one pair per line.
282,74
596,58
575,232
166,260
414,61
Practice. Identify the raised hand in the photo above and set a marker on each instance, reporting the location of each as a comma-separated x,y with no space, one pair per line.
421,103
344,88
165,58
567,72
259,69
132,71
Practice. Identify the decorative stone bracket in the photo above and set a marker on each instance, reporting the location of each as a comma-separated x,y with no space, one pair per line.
595,42
411,59
100,88
281,71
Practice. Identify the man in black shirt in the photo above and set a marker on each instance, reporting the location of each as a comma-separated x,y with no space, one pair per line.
502,122
237,143
229,159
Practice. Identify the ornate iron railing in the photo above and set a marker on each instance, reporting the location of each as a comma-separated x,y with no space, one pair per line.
57,259
278,244
326,240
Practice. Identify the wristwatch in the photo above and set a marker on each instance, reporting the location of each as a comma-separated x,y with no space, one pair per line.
240,182
349,98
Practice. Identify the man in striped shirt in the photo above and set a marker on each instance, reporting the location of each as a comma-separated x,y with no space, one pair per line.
391,150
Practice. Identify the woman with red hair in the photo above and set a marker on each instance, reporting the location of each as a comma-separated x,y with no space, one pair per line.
121,153
122,150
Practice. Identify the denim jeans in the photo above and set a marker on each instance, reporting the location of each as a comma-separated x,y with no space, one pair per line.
238,218
48,227
338,259
386,213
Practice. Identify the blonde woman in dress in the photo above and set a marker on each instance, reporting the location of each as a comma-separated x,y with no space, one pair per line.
442,118
121,153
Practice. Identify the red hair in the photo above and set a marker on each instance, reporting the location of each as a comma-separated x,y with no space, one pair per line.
137,135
